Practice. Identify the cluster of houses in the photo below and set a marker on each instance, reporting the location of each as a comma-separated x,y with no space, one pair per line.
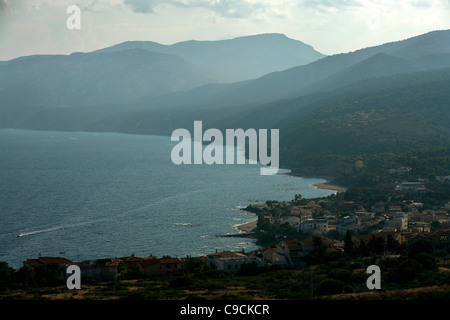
288,252
108,269
403,223
407,218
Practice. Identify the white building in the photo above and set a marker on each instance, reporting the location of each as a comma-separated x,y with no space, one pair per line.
231,261
408,186
293,220
348,224
314,224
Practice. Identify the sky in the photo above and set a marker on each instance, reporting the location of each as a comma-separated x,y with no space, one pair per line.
39,27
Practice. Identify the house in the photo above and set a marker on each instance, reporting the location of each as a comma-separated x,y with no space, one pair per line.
378,207
164,265
394,209
400,170
414,206
272,256
348,223
315,224
134,259
400,220
294,251
419,227
383,234
47,260
232,261
292,220
99,270
408,186
304,212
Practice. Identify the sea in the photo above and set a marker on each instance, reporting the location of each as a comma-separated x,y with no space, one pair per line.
86,196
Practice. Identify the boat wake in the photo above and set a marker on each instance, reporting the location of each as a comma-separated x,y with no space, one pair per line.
185,224
29,233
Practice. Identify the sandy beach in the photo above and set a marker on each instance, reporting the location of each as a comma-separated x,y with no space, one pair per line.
328,186
248,227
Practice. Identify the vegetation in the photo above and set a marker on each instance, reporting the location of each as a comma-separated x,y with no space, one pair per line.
414,276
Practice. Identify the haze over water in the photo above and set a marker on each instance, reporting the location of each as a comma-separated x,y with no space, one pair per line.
100,195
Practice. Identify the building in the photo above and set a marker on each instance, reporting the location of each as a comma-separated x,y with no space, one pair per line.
379,207
400,220
99,270
394,209
314,224
157,266
304,212
408,186
348,224
48,260
292,220
419,227
295,251
231,261
400,170
271,256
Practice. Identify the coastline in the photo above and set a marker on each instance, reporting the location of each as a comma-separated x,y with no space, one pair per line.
248,227
328,185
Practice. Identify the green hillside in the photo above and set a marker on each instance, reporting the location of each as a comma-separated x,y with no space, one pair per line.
388,115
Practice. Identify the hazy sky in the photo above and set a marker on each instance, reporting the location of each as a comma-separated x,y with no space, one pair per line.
38,27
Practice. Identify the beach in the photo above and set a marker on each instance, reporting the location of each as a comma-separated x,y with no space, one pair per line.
329,186
248,227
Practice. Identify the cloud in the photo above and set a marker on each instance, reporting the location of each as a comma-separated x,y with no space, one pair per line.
329,5
140,6
224,8
4,5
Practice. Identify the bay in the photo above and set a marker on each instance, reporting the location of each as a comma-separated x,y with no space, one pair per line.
85,195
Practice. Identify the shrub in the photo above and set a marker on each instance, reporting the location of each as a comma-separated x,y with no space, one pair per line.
330,286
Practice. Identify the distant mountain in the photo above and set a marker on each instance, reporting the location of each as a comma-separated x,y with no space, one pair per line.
387,98
86,79
122,75
299,80
237,59
322,75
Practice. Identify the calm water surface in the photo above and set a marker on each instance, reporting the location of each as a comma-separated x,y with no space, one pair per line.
97,195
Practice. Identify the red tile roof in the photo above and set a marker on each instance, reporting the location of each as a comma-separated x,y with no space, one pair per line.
55,260
46,260
169,260
292,243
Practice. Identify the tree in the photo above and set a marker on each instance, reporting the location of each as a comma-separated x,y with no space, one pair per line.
194,265
330,286
419,246
6,274
391,244
435,226
26,275
49,274
363,250
348,244
376,245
